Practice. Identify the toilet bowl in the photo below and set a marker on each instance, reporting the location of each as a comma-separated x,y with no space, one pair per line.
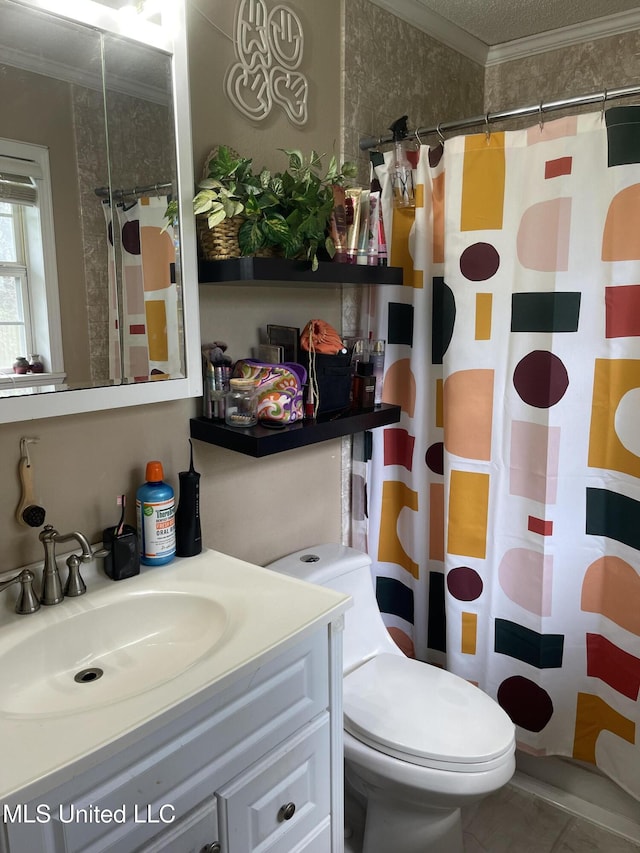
419,742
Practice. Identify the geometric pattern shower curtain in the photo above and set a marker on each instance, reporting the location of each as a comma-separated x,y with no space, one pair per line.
144,323
536,331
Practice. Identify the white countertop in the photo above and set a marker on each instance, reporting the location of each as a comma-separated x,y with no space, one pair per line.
264,612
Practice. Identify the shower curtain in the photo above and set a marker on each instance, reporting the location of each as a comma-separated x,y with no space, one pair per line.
504,508
143,325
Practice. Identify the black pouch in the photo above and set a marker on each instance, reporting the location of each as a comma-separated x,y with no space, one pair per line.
333,375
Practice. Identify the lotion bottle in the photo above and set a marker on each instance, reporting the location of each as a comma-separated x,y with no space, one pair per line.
188,531
155,512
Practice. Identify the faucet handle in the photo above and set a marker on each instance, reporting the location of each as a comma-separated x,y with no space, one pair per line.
27,600
75,585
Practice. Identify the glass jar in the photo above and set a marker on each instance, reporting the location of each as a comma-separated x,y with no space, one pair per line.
241,403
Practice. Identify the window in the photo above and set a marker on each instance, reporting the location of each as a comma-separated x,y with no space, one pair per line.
15,323
29,307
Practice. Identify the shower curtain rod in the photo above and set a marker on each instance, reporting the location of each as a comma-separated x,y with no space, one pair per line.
536,109
157,189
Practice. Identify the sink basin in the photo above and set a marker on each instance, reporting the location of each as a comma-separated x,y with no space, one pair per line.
115,650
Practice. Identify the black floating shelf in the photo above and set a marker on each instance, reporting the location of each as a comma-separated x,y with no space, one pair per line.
260,441
283,271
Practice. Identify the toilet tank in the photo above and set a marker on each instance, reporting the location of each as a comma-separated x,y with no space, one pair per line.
348,571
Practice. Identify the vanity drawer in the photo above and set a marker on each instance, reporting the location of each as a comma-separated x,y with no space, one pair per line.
280,800
191,834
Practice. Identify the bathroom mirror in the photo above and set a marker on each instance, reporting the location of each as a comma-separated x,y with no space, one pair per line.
94,140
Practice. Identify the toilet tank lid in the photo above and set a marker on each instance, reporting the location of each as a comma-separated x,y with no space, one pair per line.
320,563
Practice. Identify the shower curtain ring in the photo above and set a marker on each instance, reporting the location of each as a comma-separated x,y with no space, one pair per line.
486,126
440,136
540,117
604,102
417,135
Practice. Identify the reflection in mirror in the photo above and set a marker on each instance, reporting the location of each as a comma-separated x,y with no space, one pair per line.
87,121
145,337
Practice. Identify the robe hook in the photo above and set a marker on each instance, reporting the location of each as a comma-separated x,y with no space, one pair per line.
440,136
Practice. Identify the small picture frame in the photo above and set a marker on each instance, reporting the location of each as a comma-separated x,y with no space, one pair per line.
270,353
288,338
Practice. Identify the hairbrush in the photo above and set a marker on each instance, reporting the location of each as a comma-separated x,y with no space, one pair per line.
29,513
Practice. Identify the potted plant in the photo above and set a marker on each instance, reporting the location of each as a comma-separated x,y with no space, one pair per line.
290,210
220,202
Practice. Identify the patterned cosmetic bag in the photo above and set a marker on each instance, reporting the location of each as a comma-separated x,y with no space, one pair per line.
279,387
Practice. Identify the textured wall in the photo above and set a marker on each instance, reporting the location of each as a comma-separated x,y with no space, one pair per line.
576,70
392,69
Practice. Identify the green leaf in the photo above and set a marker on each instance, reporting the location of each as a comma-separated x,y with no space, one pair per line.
330,246
252,206
296,159
201,204
275,229
315,160
231,207
250,237
210,184
332,171
216,217
265,178
349,169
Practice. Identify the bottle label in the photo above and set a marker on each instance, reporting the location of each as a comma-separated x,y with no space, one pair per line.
157,522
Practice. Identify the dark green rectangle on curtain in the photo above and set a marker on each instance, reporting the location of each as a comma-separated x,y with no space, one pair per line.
543,651
437,625
395,598
545,312
623,135
613,515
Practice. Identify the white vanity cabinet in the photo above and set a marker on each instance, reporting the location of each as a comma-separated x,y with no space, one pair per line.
255,765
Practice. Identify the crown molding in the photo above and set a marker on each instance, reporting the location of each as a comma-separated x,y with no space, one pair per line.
418,15
609,25
414,12
70,74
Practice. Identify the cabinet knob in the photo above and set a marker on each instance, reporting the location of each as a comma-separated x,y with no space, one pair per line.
287,812
212,848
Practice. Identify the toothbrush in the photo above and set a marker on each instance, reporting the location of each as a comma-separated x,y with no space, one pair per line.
122,501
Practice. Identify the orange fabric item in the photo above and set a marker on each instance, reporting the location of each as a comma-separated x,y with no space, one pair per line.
320,337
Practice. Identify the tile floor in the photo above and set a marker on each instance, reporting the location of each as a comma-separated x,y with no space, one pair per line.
514,821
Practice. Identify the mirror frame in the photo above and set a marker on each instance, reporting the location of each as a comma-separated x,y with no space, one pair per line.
171,38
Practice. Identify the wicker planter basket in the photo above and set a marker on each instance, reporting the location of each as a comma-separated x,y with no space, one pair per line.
221,242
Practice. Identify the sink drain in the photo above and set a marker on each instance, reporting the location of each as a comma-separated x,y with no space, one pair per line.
86,676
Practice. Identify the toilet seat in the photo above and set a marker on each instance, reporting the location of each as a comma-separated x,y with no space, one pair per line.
425,715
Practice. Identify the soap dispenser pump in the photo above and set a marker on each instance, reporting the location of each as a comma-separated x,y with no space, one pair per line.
188,531
401,171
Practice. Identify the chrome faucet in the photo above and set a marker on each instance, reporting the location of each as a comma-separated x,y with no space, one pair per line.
52,592
27,600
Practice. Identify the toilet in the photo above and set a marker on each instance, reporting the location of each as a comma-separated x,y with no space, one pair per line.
419,742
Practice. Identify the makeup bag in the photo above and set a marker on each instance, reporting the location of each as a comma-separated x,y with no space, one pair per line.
279,388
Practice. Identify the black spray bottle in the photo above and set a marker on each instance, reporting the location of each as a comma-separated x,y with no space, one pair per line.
188,533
